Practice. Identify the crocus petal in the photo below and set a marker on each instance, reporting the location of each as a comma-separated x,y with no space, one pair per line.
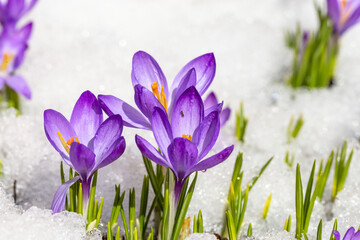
357,235
58,203
349,234
212,161
131,117
108,144
187,81
15,7
55,122
112,154
353,19
187,114
162,130
217,107
25,32
333,10
146,101
19,84
182,155
86,117
18,59
336,234
207,133
210,100
146,71
205,71
82,159
150,152
224,116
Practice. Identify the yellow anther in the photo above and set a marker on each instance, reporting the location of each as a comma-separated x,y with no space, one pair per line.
343,3
189,137
66,147
155,89
67,144
7,58
71,140
161,97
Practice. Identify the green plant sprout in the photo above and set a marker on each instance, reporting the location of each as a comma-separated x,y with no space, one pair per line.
332,237
236,204
74,203
198,223
294,128
118,200
323,174
341,169
304,206
241,123
249,231
287,225
267,206
315,55
319,231
289,160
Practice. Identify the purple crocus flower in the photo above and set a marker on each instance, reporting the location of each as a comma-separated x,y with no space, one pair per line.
151,88
344,14
211,101
349,235
86,143
13,44
187,141
13,10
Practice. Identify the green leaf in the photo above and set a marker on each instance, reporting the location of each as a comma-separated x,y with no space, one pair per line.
298,203
230,226
249,231
254,180
91,217
200,222
267,206
319,231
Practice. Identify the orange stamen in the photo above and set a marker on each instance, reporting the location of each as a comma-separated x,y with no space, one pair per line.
71,140
7,58
161,97
66,147
67,144
155,89
189,137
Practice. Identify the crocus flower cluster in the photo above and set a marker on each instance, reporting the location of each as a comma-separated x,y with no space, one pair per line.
13,44
184,126
349,235
344,14
86,143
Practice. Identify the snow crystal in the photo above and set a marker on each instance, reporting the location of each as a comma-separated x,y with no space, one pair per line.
36,223
201,236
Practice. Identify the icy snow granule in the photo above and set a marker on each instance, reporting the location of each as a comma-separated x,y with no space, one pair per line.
38,224
201,236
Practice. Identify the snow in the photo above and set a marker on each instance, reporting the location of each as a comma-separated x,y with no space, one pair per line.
80,45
